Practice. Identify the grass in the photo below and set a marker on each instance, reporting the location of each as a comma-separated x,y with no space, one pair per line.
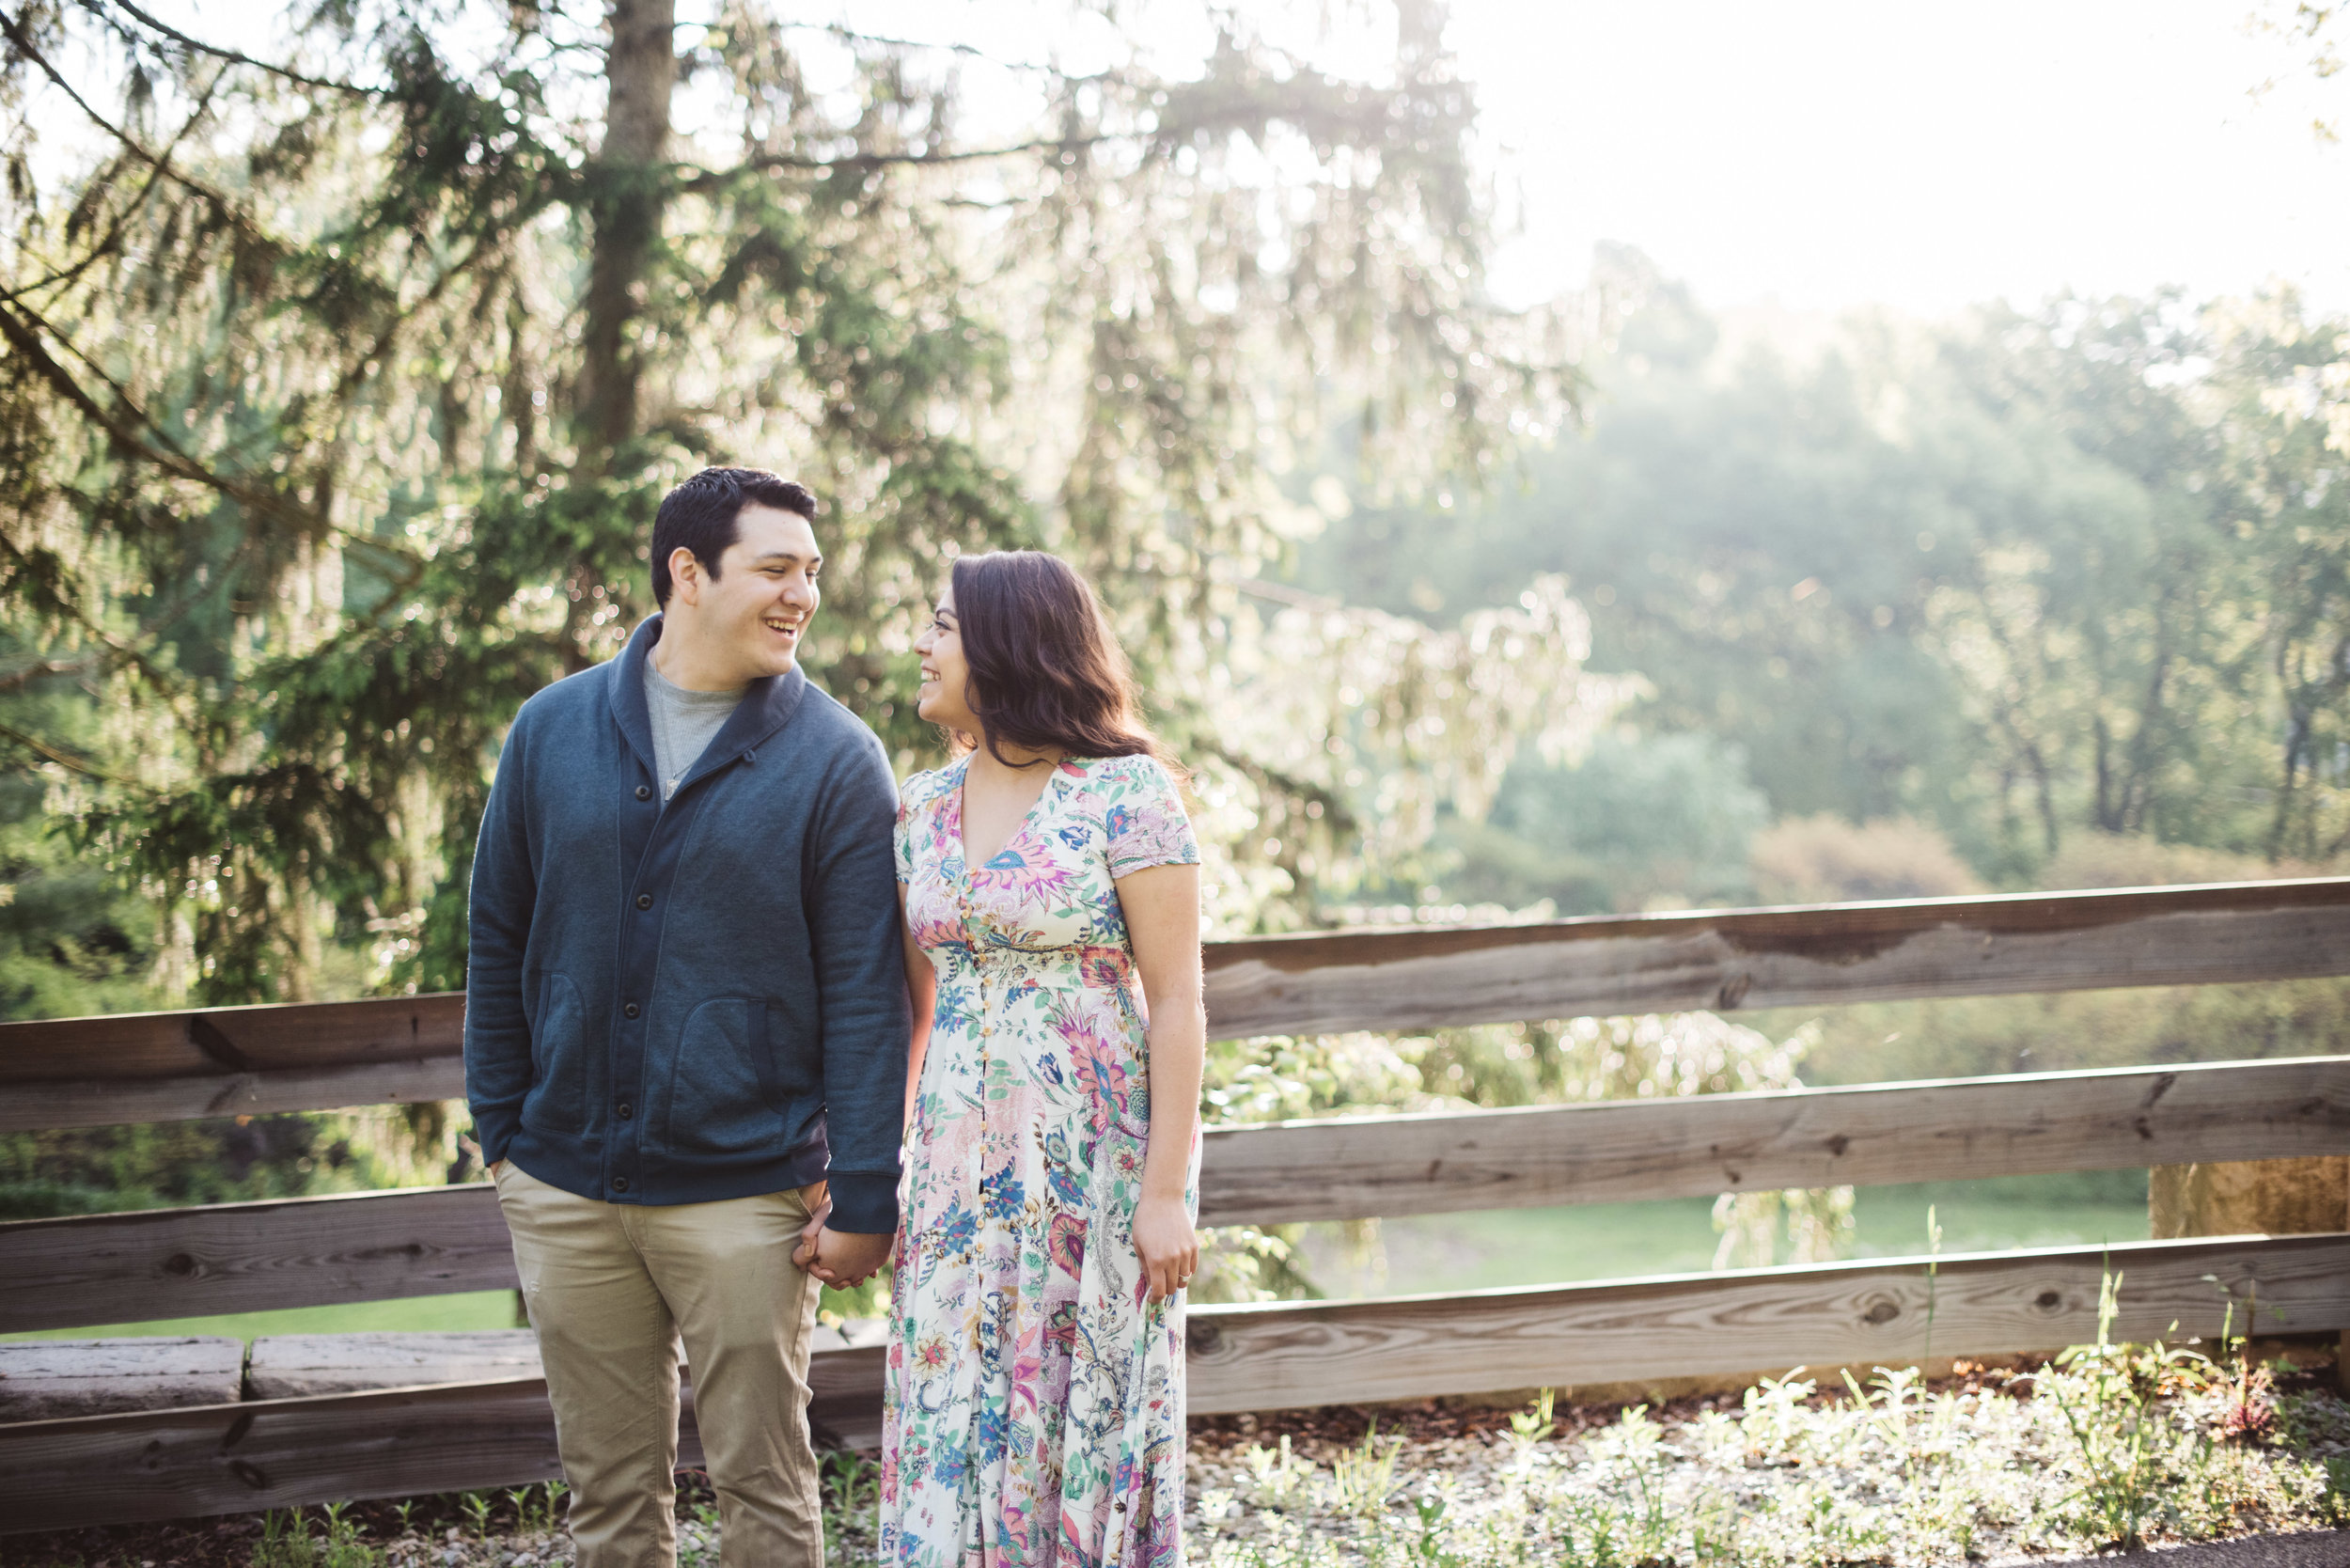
1605,1241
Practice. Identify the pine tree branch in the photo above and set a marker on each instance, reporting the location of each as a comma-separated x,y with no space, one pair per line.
40,669
63,758
14,30
122,223
26,340
218,53
849,35
706,179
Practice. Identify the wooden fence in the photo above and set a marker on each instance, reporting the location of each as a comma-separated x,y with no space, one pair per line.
91,1271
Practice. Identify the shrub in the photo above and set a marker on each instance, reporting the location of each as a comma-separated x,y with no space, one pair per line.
1825,859
1641,823
2123,860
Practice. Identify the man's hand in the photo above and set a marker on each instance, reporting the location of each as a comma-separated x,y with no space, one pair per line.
842,1259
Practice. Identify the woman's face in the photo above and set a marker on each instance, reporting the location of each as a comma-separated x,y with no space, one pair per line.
944,697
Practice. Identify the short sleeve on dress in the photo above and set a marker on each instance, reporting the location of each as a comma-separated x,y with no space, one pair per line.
1143,816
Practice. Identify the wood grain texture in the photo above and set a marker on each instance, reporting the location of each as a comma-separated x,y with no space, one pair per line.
1625,1151
161,1263
1286,1354
320,1056
239,1458
273,1453
298,1366
1722,961
179,1463
224,1041
94,1270
108,1102
43,1379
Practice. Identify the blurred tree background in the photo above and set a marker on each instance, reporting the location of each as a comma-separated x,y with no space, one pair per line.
2047,599
347,355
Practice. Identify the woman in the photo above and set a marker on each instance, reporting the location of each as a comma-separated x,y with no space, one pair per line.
1034,1405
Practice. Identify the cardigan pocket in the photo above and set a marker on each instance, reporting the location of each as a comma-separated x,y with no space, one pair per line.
722,1081
557,1101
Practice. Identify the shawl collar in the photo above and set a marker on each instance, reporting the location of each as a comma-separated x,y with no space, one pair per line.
768,704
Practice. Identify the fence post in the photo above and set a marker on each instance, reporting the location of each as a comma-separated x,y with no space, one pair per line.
2276,1198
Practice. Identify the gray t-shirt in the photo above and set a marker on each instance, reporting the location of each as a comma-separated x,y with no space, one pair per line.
683,724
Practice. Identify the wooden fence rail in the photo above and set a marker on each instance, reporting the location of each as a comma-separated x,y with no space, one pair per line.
175,1464
94,1270
98,1269
220,1062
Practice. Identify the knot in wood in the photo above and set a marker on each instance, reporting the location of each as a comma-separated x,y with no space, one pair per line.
1202,1338
1882,1312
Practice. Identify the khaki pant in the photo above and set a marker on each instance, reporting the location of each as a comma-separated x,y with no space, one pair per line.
610,1289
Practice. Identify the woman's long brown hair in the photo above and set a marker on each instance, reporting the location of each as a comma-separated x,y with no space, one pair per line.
1047,671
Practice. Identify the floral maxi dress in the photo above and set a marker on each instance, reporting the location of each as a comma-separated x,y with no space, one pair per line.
1034,1412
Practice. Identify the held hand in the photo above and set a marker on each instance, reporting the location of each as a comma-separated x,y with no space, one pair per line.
1168,1246
803,1255
845,1259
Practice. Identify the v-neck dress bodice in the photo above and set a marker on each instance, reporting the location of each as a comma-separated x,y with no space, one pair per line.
1034,1411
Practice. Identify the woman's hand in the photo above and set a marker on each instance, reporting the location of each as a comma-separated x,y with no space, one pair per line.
1168,1246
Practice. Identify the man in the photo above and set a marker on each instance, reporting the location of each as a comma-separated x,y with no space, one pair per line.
685,1010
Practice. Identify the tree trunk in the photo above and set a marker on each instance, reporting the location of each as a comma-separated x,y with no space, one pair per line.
629,193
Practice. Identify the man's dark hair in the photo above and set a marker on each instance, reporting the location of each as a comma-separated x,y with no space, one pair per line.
701,516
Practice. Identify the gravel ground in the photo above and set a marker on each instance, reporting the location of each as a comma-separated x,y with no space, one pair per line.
1980,1467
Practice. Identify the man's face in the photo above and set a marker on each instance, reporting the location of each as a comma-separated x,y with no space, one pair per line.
754,612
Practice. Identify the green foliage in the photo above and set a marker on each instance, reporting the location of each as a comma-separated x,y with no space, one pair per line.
345,372
2022,578
1551,1062
169,1164
72,940
286,1541
1638,823
1901,1472
1960,1037
1825,859
2131,1450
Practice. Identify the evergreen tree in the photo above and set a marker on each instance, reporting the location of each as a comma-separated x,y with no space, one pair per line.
345,362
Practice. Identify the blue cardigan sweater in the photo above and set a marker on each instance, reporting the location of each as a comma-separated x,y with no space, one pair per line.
696,1001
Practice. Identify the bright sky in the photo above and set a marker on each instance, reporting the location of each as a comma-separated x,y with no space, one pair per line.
1834,152
1823,154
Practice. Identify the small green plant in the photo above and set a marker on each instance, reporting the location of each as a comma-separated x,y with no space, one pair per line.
1632,1453
1276,1472
1934,1274
286,1541
1364,1477
1528,1427
477,1506
1898,1394
1429,1548
1776,1419
852,1485
2335,1502
2127,1446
